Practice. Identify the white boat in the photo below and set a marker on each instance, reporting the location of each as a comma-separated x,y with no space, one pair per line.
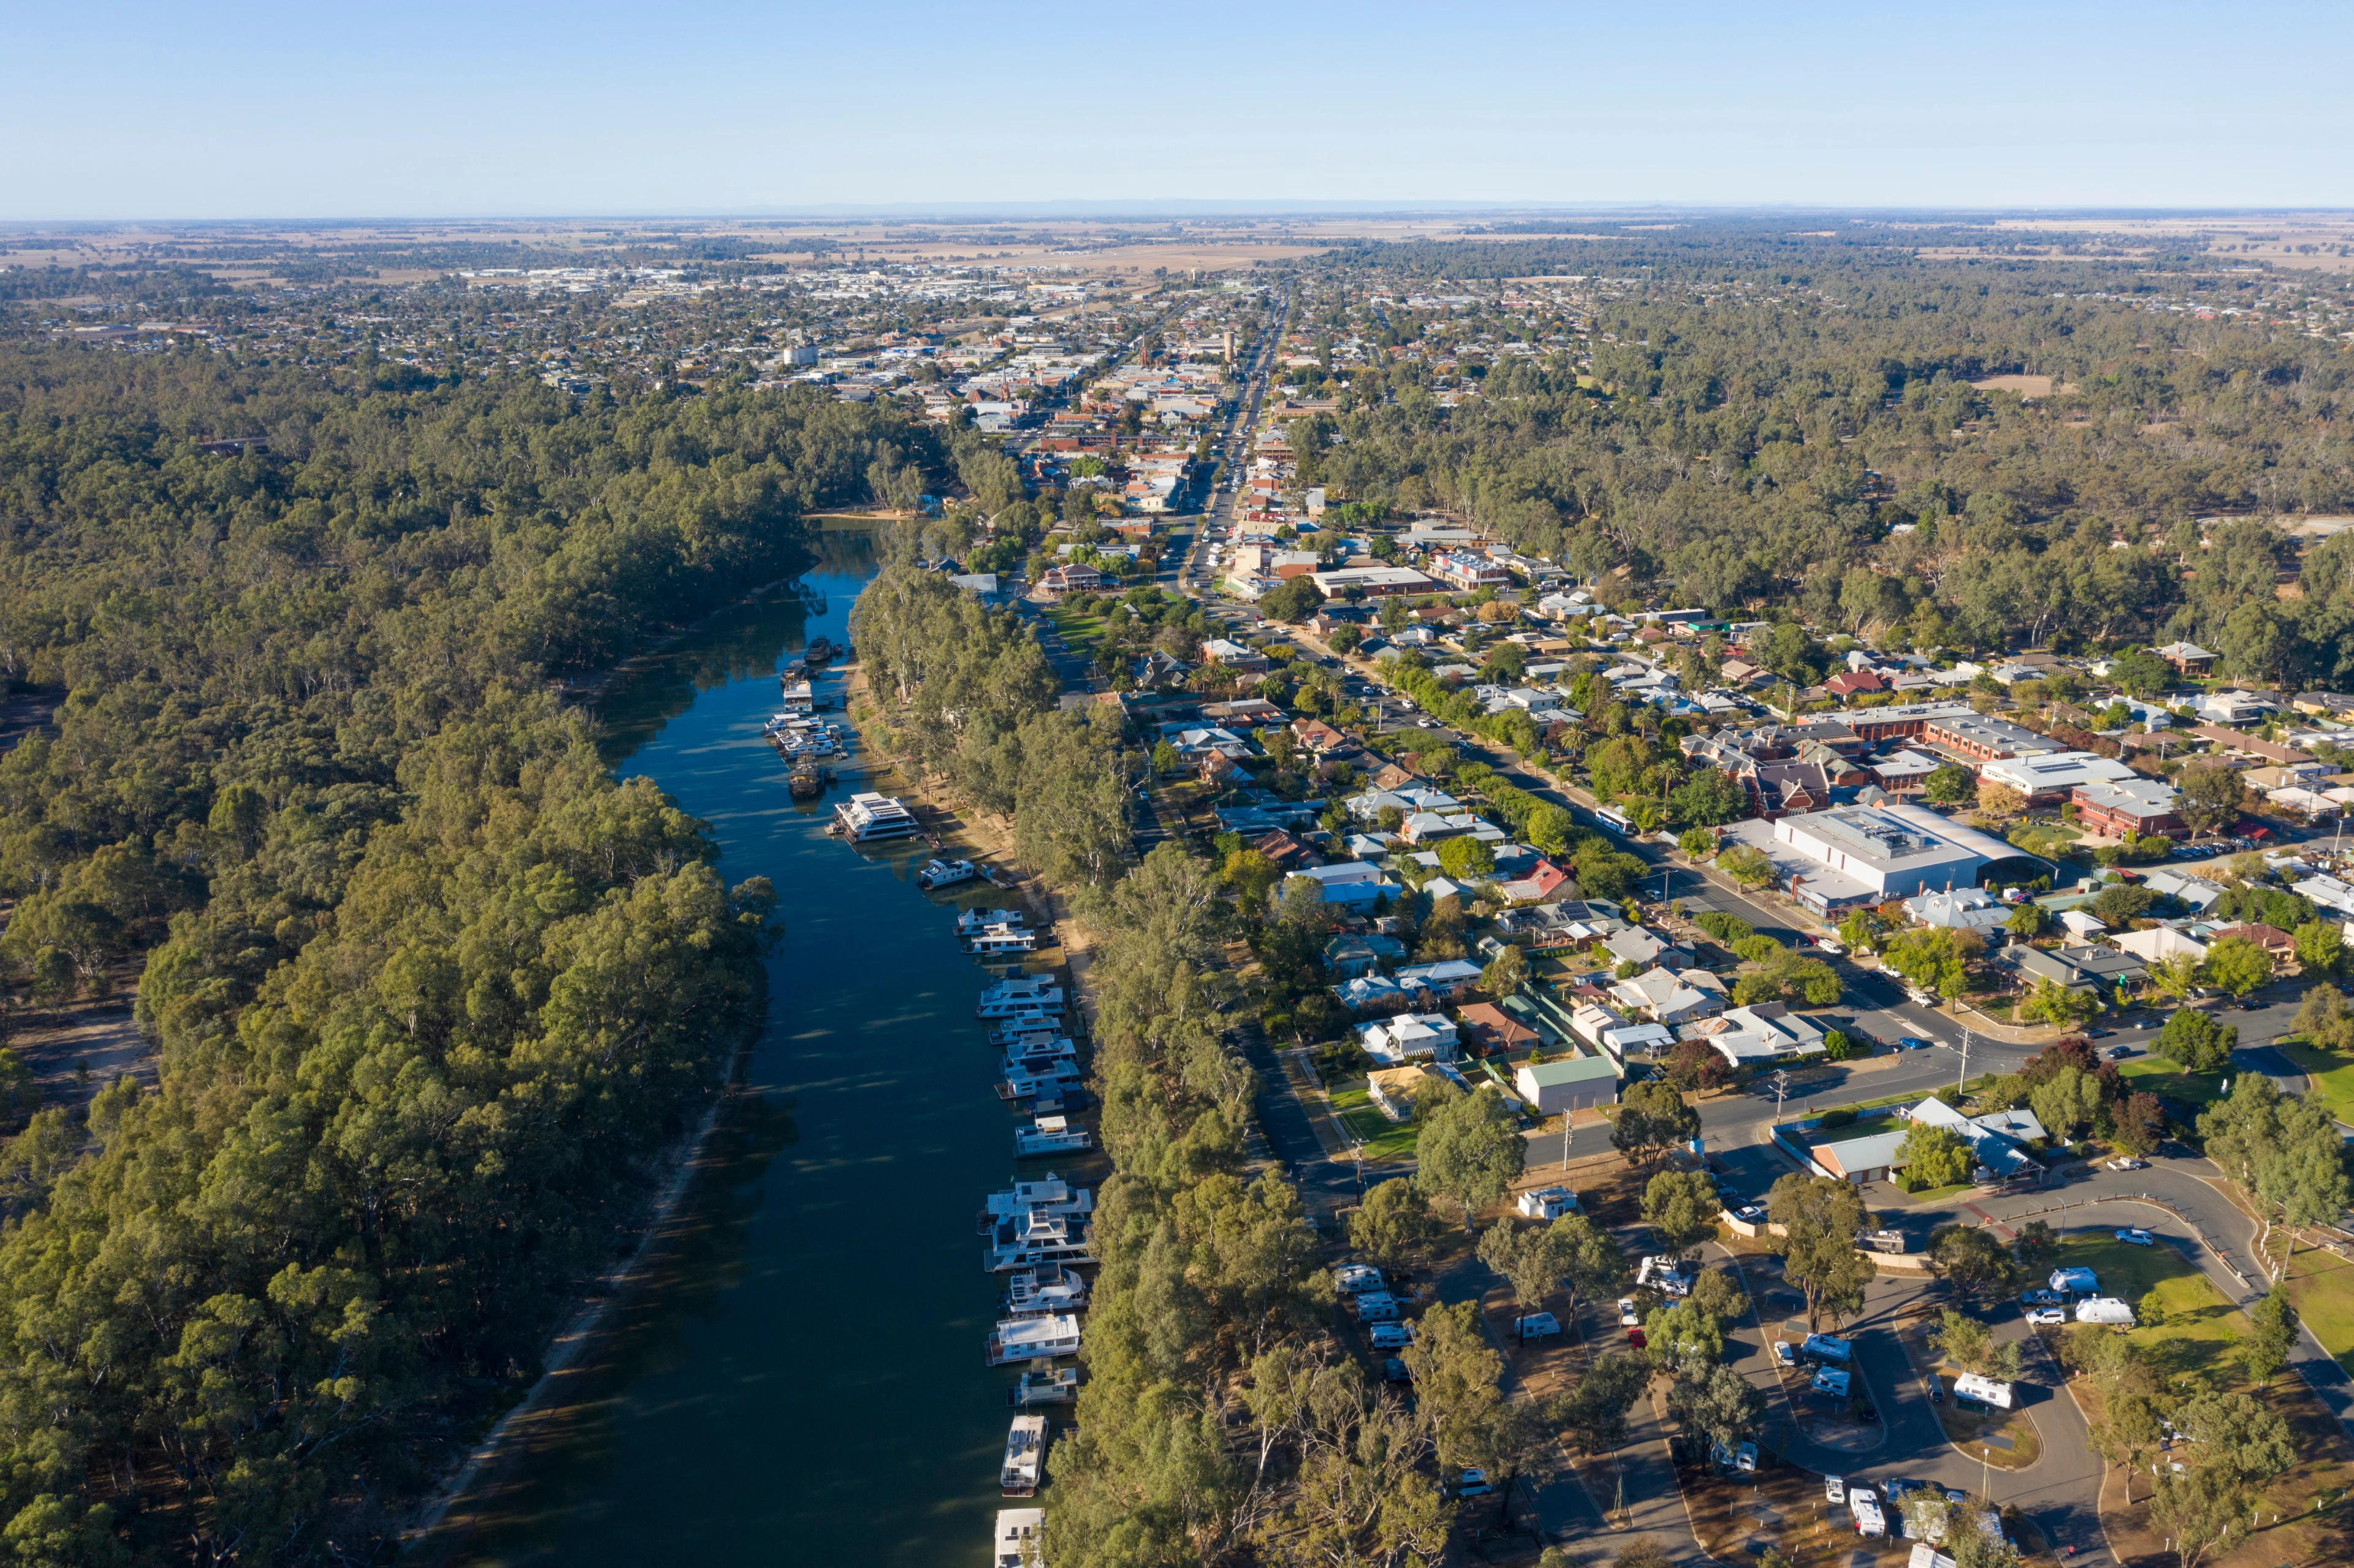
1015,1542
797,696
1035,1291
1015,1031
972,922
1034,1081
1037,1053
1026,1458
998,940
1018,996
867,817
1051,1135
1044,1386
1032,1339
946,874
1034,1238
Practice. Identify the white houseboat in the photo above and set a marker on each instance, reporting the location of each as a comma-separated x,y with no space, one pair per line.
1034,1053
1036,1292
1029,1239
972,922
867,817
1051,1135
1032,1339
797,696
1014,1032
1015,1541
938,873
1027,1082
1026,1458
999,941
1019,996
1044,1386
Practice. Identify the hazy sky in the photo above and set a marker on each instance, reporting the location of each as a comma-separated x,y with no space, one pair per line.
427,108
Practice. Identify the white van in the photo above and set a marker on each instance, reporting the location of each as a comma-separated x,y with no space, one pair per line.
1986,1391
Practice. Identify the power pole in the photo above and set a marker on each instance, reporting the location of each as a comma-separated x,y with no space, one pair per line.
1966,1061
1781,1090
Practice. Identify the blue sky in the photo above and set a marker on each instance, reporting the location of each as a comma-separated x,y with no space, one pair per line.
433,109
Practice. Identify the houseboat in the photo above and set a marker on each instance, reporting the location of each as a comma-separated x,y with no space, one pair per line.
1034,1237
1018,994
973,922
1026,1458
798,697
869,818
938,873
1031,1083
1032,1339
807,778
1014,1542
998,941
1051,1135
1016,1031
818,651
1044,1386
1033,1052
1034,1292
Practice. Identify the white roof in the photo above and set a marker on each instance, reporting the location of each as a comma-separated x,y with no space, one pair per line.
2160,942
2056,770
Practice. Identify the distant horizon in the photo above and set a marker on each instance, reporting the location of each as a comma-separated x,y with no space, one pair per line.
1210,207
272,111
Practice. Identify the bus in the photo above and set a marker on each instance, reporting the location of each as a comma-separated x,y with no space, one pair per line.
1617,820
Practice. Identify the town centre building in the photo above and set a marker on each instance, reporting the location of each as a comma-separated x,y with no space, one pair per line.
1870,854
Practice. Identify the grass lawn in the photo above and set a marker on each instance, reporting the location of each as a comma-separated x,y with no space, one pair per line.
1383,1138
1079,627
2197,1326
2332,1074
2177,1083
1939,1194
2321,1285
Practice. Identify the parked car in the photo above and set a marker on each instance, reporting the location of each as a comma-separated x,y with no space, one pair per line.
2127,1162
1751,1214
1635,1340
1393,1370
1834,1489
2119,1053
1786,1352
2043,1298
1628,1316
2138,1237
2049,1317
1911,1042
2098,1033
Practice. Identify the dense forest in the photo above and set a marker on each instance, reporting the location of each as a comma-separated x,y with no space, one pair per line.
1793,425
430,991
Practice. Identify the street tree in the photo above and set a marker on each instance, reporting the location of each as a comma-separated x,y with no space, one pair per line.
2238,965
1394,1227
2284,1150
1682,1208
2197,1042
1820,1216
1651,1118
1971,1260
1470,1149
2211,795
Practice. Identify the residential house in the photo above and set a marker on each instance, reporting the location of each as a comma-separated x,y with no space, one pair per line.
1351,883
1317,737
1234,656
1850,683
1371,993
1961,908
1765,1032
1351,957
2160,942
1395,1089
1072,576
1664,996
2188,658
2094,970
2232,741
2325,704
2271,938
1445,982
1645,949
1491,1031
1409,1036
2234,707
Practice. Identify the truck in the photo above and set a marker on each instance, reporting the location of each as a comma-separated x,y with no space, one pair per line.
2105,1309
1829,1348
2075,1281
1986,1391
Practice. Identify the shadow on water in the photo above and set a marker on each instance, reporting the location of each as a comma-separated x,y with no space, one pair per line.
800,1378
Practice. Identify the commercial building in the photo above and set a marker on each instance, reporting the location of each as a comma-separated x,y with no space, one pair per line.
1870,854
2113,808
1375,582
2049,778
1569,1083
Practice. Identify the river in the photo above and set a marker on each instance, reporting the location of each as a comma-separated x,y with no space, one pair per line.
801,1382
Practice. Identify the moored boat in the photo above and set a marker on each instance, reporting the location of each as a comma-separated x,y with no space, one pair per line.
867,817
1051,1135
938,873
1044,1386
1014,1542
1026,1458
1032,1339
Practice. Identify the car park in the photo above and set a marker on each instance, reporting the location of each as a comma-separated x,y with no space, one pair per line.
2138,1237
2048,1317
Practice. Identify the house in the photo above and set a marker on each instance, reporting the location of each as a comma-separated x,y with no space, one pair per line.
1371,993
1317,737
2188,658
1409,1036
1995,1140
1961,908
2233,707
1765,1032
2326,893
1446,980
1217,767
2271,938
1491,1031
1849,683
1598,1026
2195,893
2161,942
2232,741
1352,884
2115,809
1161,669
1286,853
1234,656
1535,884
2325,704
1666,997
1637,946
1568,1084
1395,1089
1351,957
